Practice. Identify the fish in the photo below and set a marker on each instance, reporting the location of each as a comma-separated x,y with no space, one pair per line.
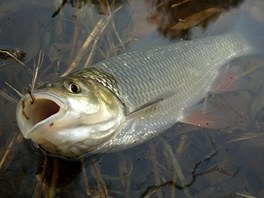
128,99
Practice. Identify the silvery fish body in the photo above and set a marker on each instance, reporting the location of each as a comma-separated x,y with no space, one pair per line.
144,93
158,86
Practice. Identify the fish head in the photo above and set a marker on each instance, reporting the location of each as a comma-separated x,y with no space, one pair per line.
70,117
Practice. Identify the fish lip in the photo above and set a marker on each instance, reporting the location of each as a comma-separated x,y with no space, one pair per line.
24,124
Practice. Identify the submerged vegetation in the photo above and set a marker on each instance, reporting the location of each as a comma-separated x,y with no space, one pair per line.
186,161
174,18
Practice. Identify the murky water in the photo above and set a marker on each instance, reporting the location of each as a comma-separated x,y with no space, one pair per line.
185,161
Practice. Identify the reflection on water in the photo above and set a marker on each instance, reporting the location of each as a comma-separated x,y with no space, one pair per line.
185,161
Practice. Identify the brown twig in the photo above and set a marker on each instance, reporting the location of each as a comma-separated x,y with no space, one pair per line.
8,150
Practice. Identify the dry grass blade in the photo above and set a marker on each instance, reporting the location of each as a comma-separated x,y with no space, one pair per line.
182,145
40,185
114,27
246,137
85,178
8,150
8,53
168,153
74,44
58,10
94,35
14,89
95,171
36,69
196,18
54,178
180,3
244,195
125,173
38,190
90,56
177,171
8,97
155,168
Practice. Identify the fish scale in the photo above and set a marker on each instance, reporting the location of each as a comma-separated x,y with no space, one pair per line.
181,75
187,68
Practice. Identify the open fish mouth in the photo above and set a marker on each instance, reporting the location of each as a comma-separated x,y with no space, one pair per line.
40,110
33,110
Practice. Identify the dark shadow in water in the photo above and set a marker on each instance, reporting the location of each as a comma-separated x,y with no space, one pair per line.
9,182
58,172
53,171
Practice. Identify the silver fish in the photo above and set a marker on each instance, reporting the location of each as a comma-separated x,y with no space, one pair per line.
128,99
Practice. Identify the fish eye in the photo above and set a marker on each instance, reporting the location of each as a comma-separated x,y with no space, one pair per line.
72,87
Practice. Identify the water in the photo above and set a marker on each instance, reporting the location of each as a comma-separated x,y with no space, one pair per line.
185,161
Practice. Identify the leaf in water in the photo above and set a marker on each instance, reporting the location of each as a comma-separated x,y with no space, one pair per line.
196,18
